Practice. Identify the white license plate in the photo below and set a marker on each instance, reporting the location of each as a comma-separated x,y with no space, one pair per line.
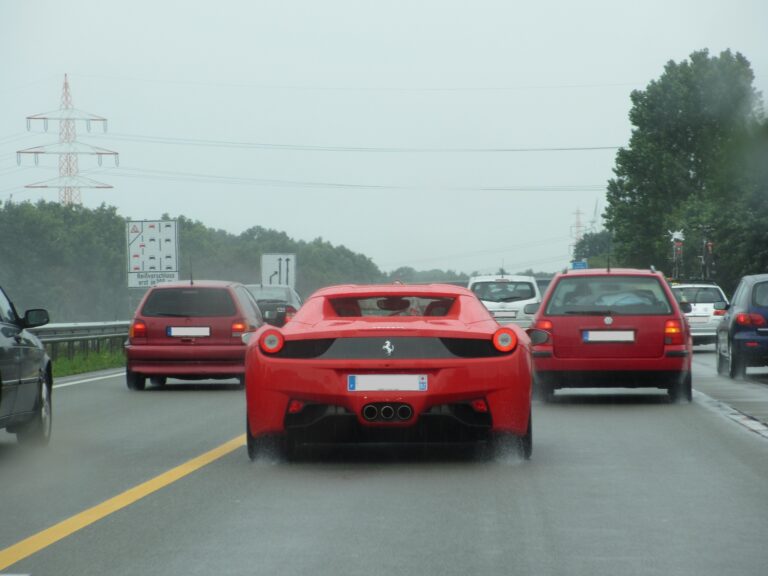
507,314
698,319
386,382
608,336
188,331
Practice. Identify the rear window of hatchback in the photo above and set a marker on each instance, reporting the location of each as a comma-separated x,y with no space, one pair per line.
189,302
617,295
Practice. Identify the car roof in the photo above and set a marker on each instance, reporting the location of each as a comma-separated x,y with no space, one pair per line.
363,290
756,277
197,284
497,277
611,272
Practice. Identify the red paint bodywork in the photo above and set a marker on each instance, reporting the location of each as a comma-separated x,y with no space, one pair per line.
503,381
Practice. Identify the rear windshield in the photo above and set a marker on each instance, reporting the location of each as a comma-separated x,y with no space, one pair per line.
192,302
392,306
698,294
503,291
269,293
760,295
619,295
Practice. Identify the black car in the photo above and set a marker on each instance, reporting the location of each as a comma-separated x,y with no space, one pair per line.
742,335
26,380
278,304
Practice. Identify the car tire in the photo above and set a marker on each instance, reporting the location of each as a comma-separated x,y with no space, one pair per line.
722,361
134,380
737,368
505,444
681,388
158,380
269,445
38,430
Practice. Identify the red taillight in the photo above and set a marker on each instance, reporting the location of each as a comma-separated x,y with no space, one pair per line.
719,312
138,329
238,328
673,332
745,319
479,405
295,406
290,312
504,340
544,325
271,342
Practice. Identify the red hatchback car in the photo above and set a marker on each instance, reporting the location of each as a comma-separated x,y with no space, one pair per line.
191,331
389,363
612,328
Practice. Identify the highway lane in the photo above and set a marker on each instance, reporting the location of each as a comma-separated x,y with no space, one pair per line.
619,483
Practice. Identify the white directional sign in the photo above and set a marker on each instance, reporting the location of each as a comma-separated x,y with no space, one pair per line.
278,269
152,252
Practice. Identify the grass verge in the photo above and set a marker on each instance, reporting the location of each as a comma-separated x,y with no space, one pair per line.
81,363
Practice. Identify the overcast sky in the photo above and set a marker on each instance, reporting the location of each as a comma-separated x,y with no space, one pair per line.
419,133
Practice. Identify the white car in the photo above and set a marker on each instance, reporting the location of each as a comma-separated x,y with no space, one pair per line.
505,296
703,318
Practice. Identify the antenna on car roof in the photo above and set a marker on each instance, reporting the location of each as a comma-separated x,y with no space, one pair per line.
608,266
191,279
653,268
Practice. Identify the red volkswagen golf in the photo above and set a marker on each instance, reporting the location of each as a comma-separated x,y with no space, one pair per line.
190,331
612,328
389,363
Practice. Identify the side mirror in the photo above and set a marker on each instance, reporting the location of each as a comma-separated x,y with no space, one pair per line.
686,307
531,309
720,306
537,336
36,317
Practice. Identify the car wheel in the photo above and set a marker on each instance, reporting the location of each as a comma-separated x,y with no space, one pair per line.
722,361
681,388
38,430
737,368
158,380
134,380
505,444
268,446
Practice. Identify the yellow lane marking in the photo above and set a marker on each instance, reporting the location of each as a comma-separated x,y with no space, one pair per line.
37,542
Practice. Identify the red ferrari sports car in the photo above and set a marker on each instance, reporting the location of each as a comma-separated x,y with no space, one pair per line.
389,363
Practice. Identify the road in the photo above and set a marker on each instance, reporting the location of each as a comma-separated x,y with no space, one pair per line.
620,482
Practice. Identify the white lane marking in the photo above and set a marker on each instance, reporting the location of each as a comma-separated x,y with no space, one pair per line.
85,380
734,415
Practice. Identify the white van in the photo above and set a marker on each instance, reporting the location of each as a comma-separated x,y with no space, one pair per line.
505,296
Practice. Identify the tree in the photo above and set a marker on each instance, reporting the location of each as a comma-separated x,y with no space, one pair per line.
678,171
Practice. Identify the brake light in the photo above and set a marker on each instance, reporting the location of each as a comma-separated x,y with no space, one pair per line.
544,325
238,328
271,342
295,406
719,312
290,312
745,319
504,340
673,332
138,329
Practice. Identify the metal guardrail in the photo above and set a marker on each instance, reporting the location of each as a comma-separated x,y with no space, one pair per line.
82,337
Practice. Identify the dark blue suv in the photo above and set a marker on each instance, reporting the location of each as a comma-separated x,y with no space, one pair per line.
742,336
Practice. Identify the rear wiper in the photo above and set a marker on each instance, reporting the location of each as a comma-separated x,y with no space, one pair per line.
510,299
168,314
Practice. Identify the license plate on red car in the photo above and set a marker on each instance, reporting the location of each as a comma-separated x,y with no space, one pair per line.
608,336
386,382
188,331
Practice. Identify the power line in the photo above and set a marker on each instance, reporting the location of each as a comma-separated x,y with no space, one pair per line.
328,148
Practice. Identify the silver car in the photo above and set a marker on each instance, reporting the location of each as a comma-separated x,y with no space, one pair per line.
703,318
505,296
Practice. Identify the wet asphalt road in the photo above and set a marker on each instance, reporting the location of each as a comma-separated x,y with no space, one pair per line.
620,482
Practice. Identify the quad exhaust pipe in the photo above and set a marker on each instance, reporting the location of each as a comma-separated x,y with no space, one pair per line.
385,412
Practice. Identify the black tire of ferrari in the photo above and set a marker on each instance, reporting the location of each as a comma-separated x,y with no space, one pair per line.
737,368
134,380
269,446
38,430
526,441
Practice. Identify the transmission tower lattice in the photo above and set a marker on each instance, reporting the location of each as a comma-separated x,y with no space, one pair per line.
68,149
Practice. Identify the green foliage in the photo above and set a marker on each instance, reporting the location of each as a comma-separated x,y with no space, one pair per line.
688,167
81,363
593,245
